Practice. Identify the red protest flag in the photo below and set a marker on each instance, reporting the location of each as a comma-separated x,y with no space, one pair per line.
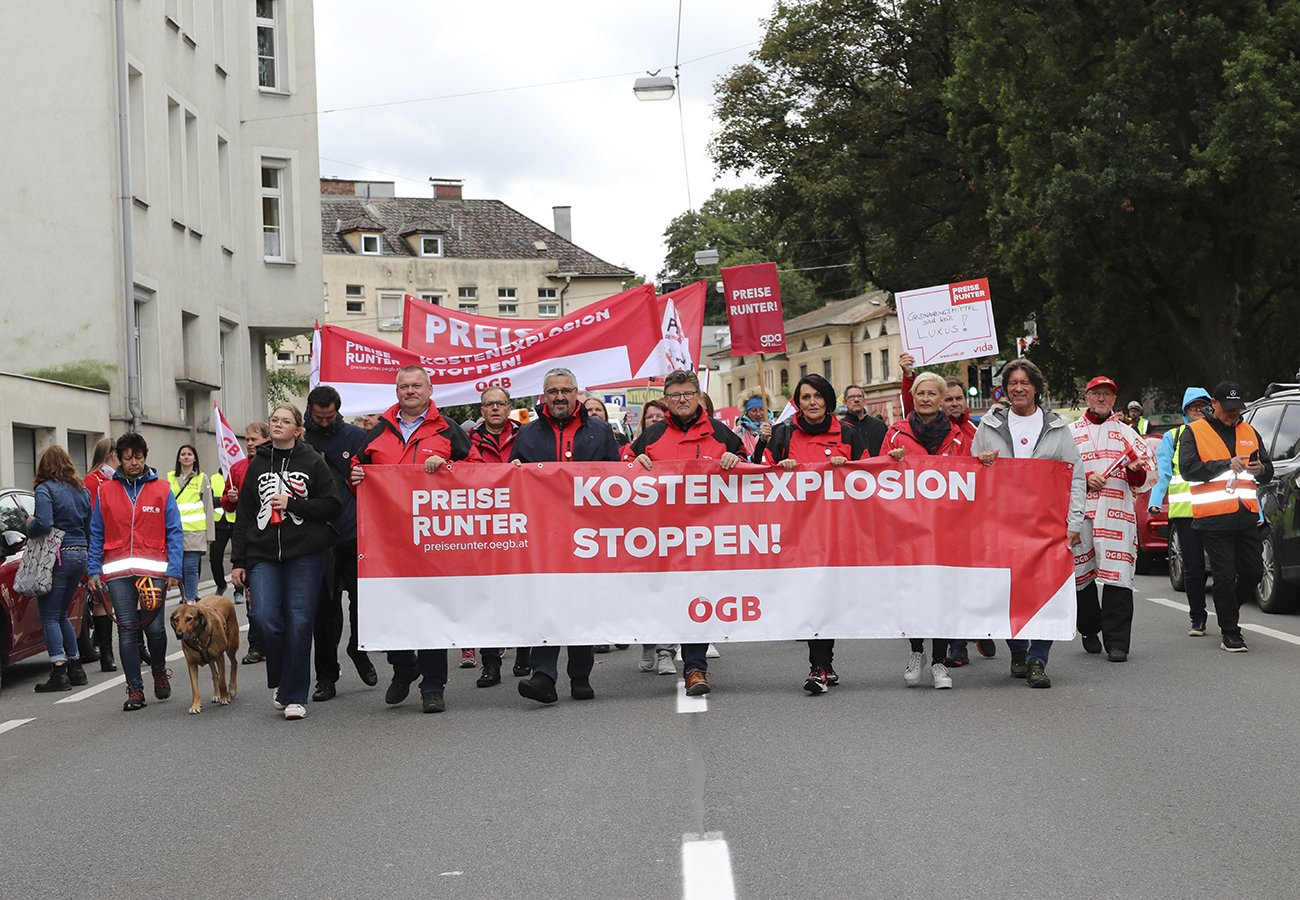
753,298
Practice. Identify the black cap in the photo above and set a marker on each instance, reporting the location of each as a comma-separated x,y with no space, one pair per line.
1228,393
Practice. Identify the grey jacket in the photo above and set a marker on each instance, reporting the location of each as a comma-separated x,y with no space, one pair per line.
1054,442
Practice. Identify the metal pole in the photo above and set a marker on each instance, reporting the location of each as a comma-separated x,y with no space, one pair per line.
128,248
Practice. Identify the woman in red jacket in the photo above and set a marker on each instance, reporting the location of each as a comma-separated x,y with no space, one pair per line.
814,435
927,431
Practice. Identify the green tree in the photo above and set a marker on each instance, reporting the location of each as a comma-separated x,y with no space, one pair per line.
283,385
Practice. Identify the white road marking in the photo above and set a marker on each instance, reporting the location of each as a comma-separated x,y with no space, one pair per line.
688,704
118,681
1245,626
12,724
706,867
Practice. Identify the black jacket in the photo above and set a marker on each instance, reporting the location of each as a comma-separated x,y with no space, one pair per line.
580,439
872,430
338,443
313,504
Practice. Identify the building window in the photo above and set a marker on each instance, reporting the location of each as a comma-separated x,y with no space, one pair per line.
785,379
433,297
546,294
730,394
354,290
275,209
742,383
548,310
884,365
176,159
826,370
136,116
371,245
507,302
430,246
193,213
225,222
284,357
219,36
268,40
389,310
803,370
866,369
356,307
471,308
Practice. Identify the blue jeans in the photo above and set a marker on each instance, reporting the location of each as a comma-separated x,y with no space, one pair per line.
694,659
190,568
286,594
547,660
432,665
126,606
60,637
1037,650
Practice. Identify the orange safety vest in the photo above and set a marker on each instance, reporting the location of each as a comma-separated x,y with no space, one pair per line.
1222,494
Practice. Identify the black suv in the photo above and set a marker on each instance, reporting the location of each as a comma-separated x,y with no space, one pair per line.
1276,416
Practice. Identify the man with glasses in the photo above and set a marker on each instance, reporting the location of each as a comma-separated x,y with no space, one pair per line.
872,429
255,435
562,432
688,433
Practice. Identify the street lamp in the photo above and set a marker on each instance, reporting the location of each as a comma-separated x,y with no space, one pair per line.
709,257
654,87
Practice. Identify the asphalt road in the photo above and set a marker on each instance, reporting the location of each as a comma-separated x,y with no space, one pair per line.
1172,775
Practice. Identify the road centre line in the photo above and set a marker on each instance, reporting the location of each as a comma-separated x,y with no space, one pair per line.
1245,626
688,704
706,867
12,724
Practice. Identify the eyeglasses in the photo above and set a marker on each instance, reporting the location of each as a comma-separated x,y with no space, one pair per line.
278,421
561,392
490,404
683,395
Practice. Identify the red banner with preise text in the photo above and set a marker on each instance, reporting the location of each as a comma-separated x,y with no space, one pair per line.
753,298
567,553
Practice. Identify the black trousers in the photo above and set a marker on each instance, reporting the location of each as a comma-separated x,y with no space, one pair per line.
1237,566
821,652
939,648
340,576
1113,617
217,553
1193,548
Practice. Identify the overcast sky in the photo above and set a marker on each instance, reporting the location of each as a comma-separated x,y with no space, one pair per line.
591,145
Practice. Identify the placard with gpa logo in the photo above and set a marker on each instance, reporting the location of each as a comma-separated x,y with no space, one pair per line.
753,298
948,321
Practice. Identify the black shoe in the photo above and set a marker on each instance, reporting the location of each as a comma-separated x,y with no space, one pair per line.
958,659
1114,654
1019,668
366,669
987,649
134,699
621,646
601,648
106,661
1233,643
324,691
581,689
253,656
432,702
540,687
523,662
89,653
145,657
58,681
76,672
491,676
1091,643
400,686
103,626
162,684
1037,677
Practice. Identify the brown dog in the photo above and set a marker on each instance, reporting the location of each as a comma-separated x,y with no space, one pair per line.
208,631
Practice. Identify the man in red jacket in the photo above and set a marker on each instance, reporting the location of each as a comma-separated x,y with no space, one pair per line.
688,433
413,432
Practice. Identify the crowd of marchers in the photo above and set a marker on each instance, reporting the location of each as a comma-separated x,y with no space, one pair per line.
288,512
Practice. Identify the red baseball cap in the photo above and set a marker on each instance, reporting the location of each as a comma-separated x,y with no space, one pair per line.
1101,381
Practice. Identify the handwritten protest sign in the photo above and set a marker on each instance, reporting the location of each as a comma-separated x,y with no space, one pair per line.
948,321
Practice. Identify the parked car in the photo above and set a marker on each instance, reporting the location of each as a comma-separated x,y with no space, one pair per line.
21,636
1276,416
1152,528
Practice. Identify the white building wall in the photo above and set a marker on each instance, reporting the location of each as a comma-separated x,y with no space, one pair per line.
208,296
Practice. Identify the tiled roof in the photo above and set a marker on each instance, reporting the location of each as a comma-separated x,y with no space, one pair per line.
852,311
471,229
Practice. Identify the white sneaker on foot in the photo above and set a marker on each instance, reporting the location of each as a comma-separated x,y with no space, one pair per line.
912,674
295,711
647,663
664,665
939,676
712,652
275,698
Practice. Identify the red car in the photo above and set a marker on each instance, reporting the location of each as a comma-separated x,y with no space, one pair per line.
20,621
1152,528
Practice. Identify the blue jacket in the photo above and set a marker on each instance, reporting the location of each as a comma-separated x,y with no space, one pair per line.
1169,446
62,506
175,535
339,443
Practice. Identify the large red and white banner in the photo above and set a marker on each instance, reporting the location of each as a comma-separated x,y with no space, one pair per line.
616,340
437,331
490,555
753,298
